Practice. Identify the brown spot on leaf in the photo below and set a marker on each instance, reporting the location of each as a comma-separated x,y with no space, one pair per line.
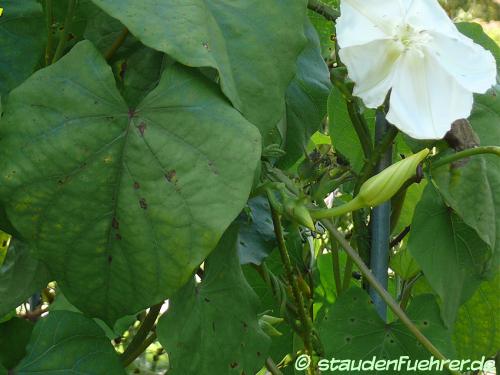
142,128
234,365
118,237
171,175
115,224
206,299
123,70
136,185
110,258
131,113
143,204
211,165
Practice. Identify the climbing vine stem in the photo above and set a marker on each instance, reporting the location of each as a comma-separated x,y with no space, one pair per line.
305,320
63,38
138,343
495,150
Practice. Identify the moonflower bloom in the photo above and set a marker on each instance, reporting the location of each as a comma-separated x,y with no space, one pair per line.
412,48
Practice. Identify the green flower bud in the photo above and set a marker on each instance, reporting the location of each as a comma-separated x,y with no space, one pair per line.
269,329
272,319
297,211
386,184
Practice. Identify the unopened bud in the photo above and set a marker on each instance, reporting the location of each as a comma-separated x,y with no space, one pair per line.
269,329
298,212
386,184
273,320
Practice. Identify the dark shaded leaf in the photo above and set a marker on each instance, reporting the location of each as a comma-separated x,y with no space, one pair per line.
306,99
230,37
22,39
66,342
21,275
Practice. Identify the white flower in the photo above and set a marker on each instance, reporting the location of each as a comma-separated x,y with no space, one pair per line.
413,48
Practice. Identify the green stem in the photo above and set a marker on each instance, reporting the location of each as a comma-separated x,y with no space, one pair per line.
292,280
63,39
324,213
117,44
346,281
495,150
139,350
383,293
336,269
323,9
406,293
140,337
49,12
360,127
272,368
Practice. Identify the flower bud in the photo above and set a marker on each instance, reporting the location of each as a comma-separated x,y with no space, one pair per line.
267,323
298,212
386,184
272,319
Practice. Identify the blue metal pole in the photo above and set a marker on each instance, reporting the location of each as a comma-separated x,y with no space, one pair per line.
380,225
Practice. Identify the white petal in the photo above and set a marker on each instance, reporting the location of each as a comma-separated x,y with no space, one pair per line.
429,15
469,63
372,67
425,99
363,21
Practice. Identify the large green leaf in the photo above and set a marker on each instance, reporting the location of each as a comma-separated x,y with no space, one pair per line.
477,329
21,275
352,329
485,119
22,37
122,203
450,253
253,44
305,99
212,327
66,342
14,336
468,191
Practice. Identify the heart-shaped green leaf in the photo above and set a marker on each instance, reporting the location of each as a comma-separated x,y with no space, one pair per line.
122,203
216,320
449,252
